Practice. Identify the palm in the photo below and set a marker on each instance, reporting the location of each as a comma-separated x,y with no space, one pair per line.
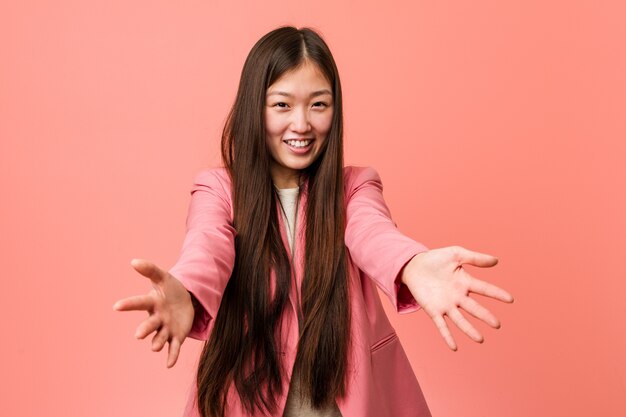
440,285
169,307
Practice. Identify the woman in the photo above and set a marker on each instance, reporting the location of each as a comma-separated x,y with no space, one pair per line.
283,250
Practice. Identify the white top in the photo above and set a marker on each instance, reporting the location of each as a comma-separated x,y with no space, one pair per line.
297,406
289,201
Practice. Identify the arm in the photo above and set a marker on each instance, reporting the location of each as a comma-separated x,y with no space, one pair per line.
208,254
182,302
375,244
410,274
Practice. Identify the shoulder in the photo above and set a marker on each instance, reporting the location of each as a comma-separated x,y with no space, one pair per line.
216,180
354,177
213,177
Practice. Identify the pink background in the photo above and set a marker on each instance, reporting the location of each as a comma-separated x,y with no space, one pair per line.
498,126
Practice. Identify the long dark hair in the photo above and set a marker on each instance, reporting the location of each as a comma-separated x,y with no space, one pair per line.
243,348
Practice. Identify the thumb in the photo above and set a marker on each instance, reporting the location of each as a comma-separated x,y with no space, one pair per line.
149,270
482,260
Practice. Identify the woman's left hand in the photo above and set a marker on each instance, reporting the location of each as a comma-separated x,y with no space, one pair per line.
441,286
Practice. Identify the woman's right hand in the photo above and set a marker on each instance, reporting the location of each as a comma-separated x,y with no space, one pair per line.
169,306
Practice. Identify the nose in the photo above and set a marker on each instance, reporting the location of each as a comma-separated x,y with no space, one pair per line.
300,121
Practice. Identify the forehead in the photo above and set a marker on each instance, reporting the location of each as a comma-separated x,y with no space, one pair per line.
304,78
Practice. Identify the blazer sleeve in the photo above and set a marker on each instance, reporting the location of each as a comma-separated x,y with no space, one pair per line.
375,244
207,256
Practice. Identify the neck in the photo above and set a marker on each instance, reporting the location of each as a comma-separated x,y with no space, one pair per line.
285,178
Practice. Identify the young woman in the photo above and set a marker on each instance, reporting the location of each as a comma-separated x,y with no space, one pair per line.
284,249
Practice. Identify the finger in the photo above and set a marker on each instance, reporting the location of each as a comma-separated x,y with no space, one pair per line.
462,323
173,351
137,302
148,326
445,332
149,270
484,288
482,260
480,312
159,339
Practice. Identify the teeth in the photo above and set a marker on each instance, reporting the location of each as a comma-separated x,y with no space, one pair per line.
298,143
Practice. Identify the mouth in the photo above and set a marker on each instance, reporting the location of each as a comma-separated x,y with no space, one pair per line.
298,143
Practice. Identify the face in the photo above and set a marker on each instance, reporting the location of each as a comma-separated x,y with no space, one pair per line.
298,115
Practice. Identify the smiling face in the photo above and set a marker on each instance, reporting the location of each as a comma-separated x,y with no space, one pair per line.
298,116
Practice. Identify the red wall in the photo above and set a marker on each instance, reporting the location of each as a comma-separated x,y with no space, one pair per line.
498,126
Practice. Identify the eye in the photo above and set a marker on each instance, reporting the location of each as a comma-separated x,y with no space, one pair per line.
280,104
320,104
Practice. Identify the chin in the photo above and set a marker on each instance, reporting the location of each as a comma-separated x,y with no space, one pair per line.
301,165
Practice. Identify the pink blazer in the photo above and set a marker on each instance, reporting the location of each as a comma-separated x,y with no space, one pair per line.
380,380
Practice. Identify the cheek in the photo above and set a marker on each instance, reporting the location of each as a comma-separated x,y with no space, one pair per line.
271,143
273,125
324,122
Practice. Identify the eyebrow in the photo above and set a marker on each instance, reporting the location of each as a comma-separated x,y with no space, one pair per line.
313,94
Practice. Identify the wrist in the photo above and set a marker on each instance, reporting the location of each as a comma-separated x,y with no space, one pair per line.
410,265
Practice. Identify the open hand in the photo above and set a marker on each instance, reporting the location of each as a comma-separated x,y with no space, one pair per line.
441,286
169,306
